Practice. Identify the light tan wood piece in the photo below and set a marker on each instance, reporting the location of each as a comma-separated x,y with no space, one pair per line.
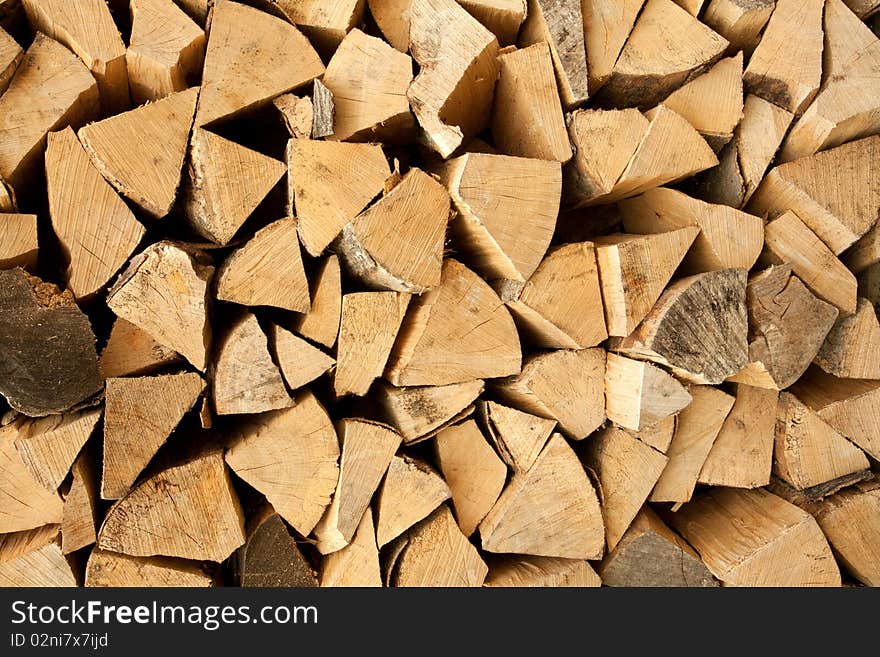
326,24
78,528
501,17
666,46
634,270
370,323
526,571
299,361
850,349
754,538
865,252
18,241
607,26
659,436
369,80
34,558
87,28
50,78
131,351
550,510
10,57
693,7
321,323
739,21
651,554
141,152
419,412
201,520
97,230
392,17
298,114
367,450
639,395
452,95
518,437
357,564
241,74
197,9
113,569
166,50
331,183
527,118
411,491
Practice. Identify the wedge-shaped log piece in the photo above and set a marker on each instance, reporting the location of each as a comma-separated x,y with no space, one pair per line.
367,450
112,569
456,332
651,554
507,209
326,24
321,323
634,270
787,239
189,510
270,556
627,470
141,152
18,241
607,26
786,67
267,271
331,183
299,361
78,528
560,306
130,441
658,436
472,470
754,538
452,94
357,564
527,118
197,9
666,45
24,502
865,252
392,17
251,58
698,328
808,451
739,21
131,351
97,230
166,50
742,454
696,429
639,395
298,114
435,553
863,8
369,80
501,17
291,457
527,571
518,437
34,558
164,291
10,57
550,510
87,28
419,412
48,362
245,378
50,78
835,192
727,237
850,349
411,491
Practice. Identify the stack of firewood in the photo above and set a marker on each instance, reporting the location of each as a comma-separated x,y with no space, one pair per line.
439,292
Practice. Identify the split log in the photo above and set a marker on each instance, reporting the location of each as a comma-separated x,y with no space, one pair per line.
34,558
809,452
518,437
420,412
739,21
80,513
131,351
48,362
357,564
698,328
452,94
503,18
472,470
525,571
300,362
659,436
48,446
166,50
369,80
727,237
323,110
626,470
507,209
787,326
693,7
550,510
630,285
290,456
639,395
863,8
298,114
754,538
270,556
742,453
96,229
410,492
197,9
787,239
281,60
607,26
52,78
367,450
559,23
189,510
139,416
321,323
10,57
835,192
325,24
112,569
164,292
566,385
865,252
87,28
527,118
267,270
245,379
665,47
24,502
850,349
141,152
651,554
18,241
392,17
326,194
696,429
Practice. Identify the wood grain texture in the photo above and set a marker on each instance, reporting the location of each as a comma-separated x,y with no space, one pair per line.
419,412
112,569
410,492
527,571
18,241
518,437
